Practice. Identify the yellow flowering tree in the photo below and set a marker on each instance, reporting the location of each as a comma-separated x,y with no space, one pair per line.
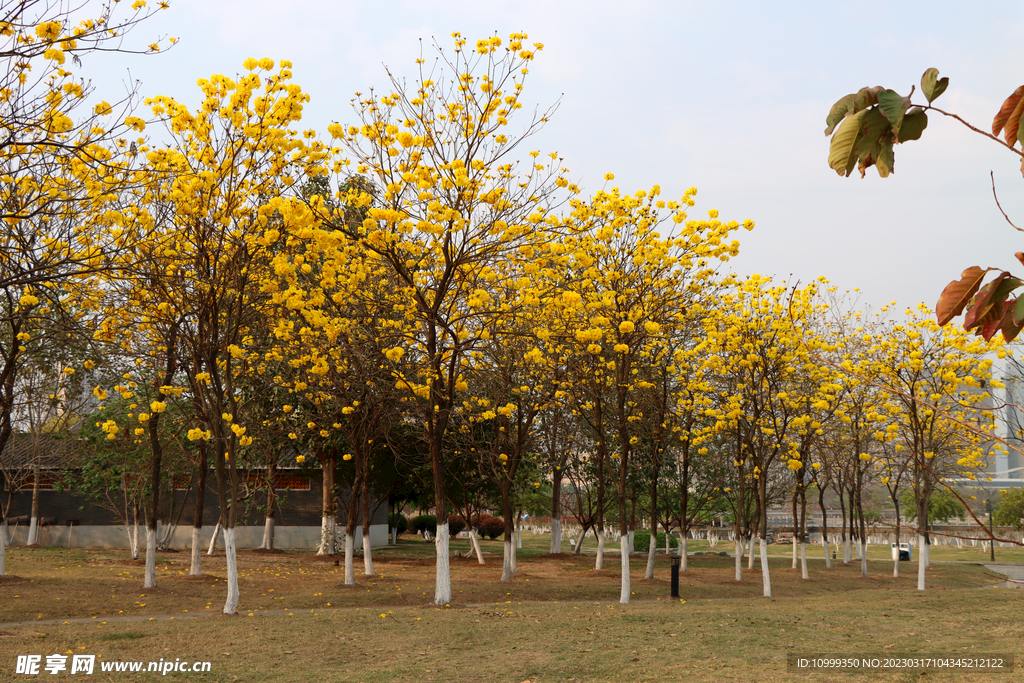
215,188
626,286
445,202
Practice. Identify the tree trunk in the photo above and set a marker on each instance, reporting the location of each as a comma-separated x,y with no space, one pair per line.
556,512
197,522
599,562
475,542
739,558
135,531
506,564
350,549
231,603
824,527
442,576
3,548
327,522
268,525
213,539
33,526
766,580
624,591
579,546
367,546
683,554
150,577
922,560
652,549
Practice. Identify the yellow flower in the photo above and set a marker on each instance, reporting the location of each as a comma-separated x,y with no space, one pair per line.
394,354
143,417
626,326
300,459
287,408
158,406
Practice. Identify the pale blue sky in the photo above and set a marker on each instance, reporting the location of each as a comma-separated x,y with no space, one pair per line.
730,97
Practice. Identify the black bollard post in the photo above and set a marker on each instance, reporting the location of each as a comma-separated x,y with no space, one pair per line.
675,575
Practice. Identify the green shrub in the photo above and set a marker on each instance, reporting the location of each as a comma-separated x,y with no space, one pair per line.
398,521
642,540
422,523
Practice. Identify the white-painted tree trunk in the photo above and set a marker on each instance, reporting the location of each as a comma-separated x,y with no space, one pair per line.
443,575
624,592
804,574
599,561
766,578
896,564
750,554
922,561
213,539
828,554
135,537
739,558
367,556
863,559
197,553
231,604
33,532
796,556
683,554
515,561
327,546
519,535
475,542
632,545
350,549
652,549
556,536
268,534
394,535
150,577
506,562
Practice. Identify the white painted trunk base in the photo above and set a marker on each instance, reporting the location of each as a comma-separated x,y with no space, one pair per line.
231,604
766,578
750,554
150,579
922,561
268,534
796,556
213,539
327,532
599,560
828,554
475,541
804,574
556,536
197,553
367,556
33,532
515,561
350,549
135,540
443,574
739,559
632,546
683,554
652,549
519,536
506,562
624,553
864,559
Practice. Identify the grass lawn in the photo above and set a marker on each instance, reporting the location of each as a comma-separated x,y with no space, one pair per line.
558,620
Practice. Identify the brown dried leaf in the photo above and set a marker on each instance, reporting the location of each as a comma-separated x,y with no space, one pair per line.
1004,112
957,293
